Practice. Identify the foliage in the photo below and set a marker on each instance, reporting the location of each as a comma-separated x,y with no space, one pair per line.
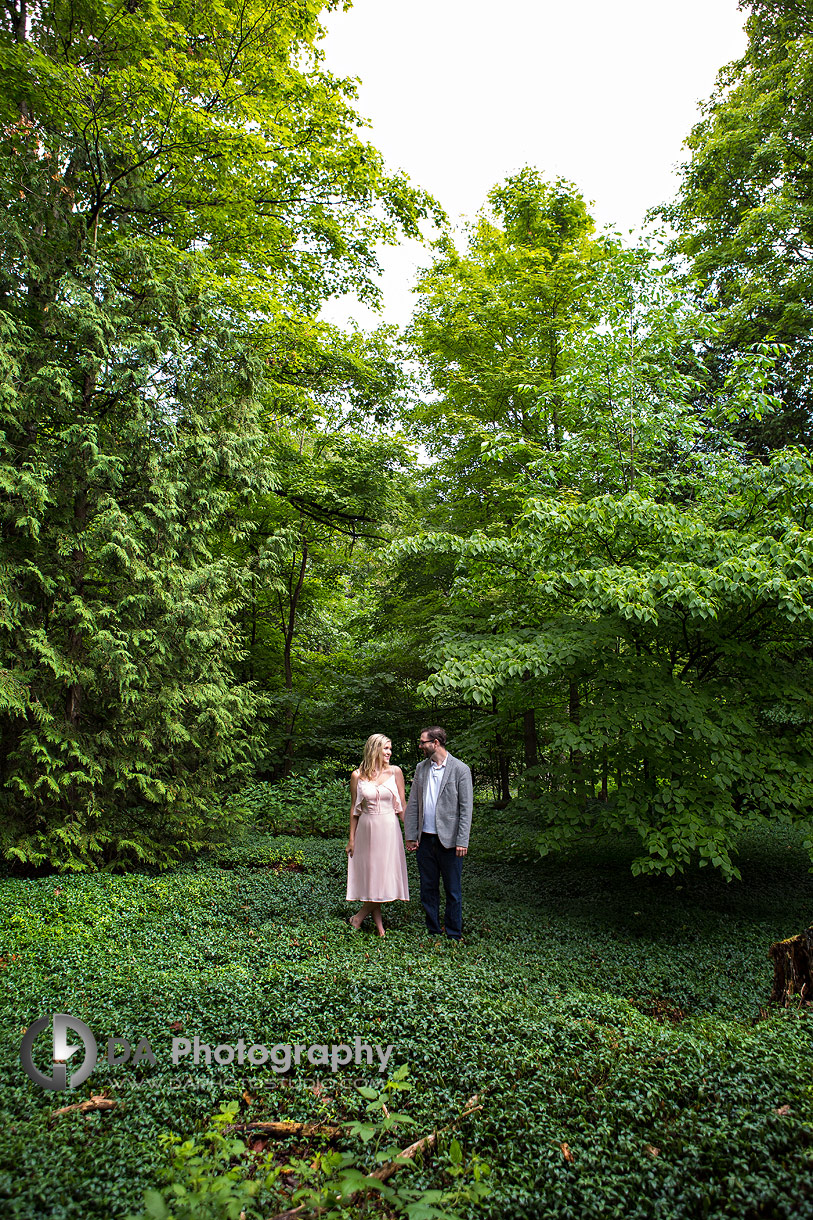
311,803
207,1179
616,1016
743,212
343,1180
306,549
208,127
252,850
203,1182
684,630
182,186
564,364
491,329
626,599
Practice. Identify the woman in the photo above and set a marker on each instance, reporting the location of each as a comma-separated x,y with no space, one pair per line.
376,863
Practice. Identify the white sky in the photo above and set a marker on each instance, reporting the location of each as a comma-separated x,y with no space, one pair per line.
462,93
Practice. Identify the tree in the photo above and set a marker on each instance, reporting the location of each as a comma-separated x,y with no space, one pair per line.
491,331
744,214
630,615
669,646
182,184
337,492
552,368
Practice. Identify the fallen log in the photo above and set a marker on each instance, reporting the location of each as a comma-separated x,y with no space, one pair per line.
792,960
385,1171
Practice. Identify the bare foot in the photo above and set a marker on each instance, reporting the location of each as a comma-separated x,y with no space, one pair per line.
352,922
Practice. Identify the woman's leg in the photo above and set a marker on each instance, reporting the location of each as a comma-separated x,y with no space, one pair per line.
377,920
358,919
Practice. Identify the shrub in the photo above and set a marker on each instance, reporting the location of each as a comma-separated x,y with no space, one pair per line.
314,803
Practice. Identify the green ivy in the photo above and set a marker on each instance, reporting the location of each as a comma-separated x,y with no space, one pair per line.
614,1029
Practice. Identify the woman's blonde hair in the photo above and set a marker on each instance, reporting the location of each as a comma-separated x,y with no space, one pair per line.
373,759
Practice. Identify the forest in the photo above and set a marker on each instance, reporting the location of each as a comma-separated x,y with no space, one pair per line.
567,513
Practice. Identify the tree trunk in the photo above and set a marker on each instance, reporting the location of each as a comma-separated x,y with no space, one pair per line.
73,698
253,643
504,790
792,980
289,627
529,737
293,601
20,17
576,757
531,746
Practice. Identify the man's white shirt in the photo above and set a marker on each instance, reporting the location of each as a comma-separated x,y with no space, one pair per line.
430,797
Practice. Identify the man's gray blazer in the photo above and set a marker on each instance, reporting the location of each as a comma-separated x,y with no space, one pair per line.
453,808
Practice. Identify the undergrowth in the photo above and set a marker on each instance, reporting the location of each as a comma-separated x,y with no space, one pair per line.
614,1030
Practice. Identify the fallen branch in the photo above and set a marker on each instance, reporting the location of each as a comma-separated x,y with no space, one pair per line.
98,1101
292,1213
286,1128
390,1167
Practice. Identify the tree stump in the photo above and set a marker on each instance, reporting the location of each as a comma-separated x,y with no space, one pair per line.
792,960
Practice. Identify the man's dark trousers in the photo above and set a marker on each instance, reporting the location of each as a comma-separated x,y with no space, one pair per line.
436,862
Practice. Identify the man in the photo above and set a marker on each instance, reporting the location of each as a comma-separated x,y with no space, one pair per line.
437,823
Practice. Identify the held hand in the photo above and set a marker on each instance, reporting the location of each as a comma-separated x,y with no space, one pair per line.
461,851
412,844
349,848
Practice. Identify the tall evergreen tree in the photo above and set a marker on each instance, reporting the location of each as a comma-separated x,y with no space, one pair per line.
180,180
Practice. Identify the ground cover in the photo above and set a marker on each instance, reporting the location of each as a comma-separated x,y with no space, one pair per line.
614,1028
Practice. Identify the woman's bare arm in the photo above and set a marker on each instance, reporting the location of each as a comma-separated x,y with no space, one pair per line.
354,783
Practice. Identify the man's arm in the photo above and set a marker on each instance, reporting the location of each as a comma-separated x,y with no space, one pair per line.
465,804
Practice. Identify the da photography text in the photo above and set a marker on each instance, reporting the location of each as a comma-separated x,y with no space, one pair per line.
280,1057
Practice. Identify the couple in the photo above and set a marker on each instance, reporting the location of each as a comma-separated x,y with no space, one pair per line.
437,821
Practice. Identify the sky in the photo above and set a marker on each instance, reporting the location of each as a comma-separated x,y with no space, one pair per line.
461,94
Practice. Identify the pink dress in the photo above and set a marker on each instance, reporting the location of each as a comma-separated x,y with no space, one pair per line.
376,872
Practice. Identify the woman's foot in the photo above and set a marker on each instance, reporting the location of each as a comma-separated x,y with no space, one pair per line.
361,914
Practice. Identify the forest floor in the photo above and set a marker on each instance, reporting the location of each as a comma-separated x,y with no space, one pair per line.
615,1030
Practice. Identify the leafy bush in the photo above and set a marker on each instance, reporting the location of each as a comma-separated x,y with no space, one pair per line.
205,1180
261,851
313,803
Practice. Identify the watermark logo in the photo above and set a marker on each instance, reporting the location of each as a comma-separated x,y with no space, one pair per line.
280,1058
62,1022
